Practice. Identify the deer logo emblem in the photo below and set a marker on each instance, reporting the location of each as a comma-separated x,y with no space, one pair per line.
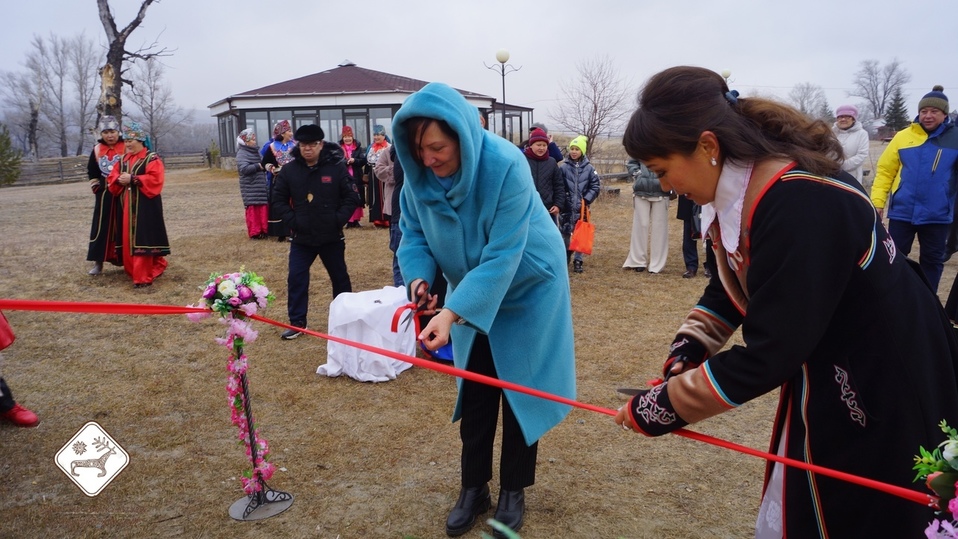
98,463
109,459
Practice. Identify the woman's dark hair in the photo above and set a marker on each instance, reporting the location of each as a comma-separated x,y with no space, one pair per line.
416,126
678,104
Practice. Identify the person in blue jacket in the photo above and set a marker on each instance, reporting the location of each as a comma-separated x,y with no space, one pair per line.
470,209
915,186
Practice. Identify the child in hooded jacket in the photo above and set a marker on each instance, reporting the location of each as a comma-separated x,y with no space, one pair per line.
582,187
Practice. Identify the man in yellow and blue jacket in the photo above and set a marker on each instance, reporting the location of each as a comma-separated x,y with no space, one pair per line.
915,185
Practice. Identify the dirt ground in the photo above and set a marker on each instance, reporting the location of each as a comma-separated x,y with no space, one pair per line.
362,460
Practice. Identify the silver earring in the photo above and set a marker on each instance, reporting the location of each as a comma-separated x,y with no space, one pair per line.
713,161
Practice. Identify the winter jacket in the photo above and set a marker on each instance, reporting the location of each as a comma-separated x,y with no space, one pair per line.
855,147
646,183
916,175
252,177
315,202
359,165
399,178
384,172
581,182
502,256
548,182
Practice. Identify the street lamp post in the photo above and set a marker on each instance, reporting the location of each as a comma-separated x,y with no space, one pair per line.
502,56
726,73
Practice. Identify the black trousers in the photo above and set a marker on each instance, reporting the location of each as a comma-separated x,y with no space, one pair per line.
6,397
477,430
301,258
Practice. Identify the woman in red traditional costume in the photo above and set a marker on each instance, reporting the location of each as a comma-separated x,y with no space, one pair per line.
138,179
106,209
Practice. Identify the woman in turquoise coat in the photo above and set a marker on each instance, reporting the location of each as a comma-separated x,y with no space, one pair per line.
470,210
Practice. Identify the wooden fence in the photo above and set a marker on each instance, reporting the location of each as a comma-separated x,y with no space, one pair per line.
73,169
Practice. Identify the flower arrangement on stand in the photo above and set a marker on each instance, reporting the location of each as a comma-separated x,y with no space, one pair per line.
939,469
236,297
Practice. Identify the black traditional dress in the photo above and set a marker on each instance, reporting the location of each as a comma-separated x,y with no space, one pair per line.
847,328
106,209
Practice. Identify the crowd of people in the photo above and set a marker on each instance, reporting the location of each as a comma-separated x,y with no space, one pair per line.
795,250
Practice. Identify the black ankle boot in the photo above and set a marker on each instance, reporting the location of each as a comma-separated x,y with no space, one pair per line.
577,266
473,501
509,510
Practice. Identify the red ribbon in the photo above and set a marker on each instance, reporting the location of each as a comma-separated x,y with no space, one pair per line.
132,308
415,314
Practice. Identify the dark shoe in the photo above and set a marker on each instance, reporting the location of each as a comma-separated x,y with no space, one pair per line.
290,334
639,269
509,510
577,266
142,285
353,224
689,274
20,416
707,273
281,239
473,501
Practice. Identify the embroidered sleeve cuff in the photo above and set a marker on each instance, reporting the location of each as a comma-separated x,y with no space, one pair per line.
652,412
687,350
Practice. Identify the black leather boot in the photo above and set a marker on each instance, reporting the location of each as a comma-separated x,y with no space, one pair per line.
577,266
473,501
509,510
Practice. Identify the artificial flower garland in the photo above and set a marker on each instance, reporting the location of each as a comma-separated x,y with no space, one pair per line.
236,297
939,469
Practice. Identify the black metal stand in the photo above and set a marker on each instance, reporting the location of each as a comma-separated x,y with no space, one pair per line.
265,502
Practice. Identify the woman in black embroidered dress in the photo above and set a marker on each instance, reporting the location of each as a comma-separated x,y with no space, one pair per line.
801,254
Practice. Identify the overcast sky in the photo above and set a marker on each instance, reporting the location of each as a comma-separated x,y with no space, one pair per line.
223,48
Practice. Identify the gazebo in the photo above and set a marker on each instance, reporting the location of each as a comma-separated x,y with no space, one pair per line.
345,95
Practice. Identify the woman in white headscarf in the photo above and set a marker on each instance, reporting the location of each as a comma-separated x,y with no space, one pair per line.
252,179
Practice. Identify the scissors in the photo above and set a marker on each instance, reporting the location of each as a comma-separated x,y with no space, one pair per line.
679,360
413,313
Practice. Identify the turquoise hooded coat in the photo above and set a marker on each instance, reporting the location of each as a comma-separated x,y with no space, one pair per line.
499,250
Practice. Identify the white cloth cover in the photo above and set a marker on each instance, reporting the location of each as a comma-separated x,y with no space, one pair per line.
366,317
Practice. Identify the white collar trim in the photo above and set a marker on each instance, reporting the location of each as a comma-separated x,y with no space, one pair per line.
729,199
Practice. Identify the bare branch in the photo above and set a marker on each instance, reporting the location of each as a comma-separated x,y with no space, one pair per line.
876,85
110,101
808,98
595,103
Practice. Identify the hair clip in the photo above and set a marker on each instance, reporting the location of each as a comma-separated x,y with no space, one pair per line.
732,97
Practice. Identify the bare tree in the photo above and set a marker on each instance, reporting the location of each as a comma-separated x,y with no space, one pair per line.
876,84
111,74
23,94
55,72
83,63
154,101
594,103
808,98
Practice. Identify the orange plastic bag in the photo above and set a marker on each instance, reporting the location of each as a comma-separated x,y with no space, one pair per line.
583,235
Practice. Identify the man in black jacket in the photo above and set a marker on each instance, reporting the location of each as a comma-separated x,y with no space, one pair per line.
314,197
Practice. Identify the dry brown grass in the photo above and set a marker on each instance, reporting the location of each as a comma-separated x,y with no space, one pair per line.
363,460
